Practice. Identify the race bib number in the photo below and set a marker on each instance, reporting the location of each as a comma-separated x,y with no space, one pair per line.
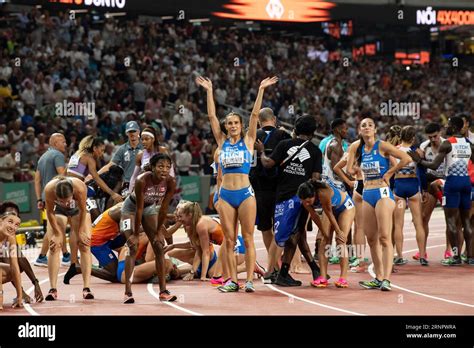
349,204
91,204
74,161
384,192
126,225
233,159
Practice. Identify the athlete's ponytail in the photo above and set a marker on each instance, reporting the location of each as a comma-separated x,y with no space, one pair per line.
394,135
194,209
87,145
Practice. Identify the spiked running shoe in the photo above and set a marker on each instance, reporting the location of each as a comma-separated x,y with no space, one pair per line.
287,281
165,296
249,287
217,281
423,261
52,295
371,284
341,283
385,286
259,270
400,261
320,282
451,262
417,256
230,286
334,260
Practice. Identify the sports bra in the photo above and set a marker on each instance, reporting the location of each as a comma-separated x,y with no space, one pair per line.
373,164
235,158
76,167
336,199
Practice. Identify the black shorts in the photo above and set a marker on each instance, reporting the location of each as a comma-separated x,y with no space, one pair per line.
58,210
265,209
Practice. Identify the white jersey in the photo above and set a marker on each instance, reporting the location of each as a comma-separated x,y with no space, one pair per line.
457,160
430,154
328,174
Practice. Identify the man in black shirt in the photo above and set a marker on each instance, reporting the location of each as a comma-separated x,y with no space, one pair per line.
264,181
299,160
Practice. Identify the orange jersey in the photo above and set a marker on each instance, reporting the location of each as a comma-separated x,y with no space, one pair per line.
217,236
104,229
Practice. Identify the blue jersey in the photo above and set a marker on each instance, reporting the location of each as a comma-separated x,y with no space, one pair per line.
373,165
235,159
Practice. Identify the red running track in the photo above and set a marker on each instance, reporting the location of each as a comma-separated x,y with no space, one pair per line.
417,290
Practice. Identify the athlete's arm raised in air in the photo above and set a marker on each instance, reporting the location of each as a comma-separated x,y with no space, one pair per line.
251,135
388,149
211,110
444,149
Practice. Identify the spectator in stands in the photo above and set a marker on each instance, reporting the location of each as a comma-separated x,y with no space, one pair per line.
7,164
183,160
16,135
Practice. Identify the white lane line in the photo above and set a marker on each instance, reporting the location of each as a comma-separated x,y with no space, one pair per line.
312,302
372,274
171,304
27,306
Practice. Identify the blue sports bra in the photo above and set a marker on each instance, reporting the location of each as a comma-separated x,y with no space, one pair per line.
235,159
336,199
373,164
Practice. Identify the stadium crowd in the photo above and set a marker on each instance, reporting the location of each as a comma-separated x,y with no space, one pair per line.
145,71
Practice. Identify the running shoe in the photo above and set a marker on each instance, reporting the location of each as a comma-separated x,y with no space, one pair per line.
470,261
249,287
385,286
128,298
41,261
71,272
358,269
287,281
66,260
270,278
400,261
451,262
417,256
448,254
334,260
464,258
217,281
229,286
341,283
259,270
353,259
52,295
371,284
87,294
320,282
166,296
423,261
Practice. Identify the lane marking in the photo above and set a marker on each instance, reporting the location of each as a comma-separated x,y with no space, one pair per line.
312,302
27,306
372,274
171,304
